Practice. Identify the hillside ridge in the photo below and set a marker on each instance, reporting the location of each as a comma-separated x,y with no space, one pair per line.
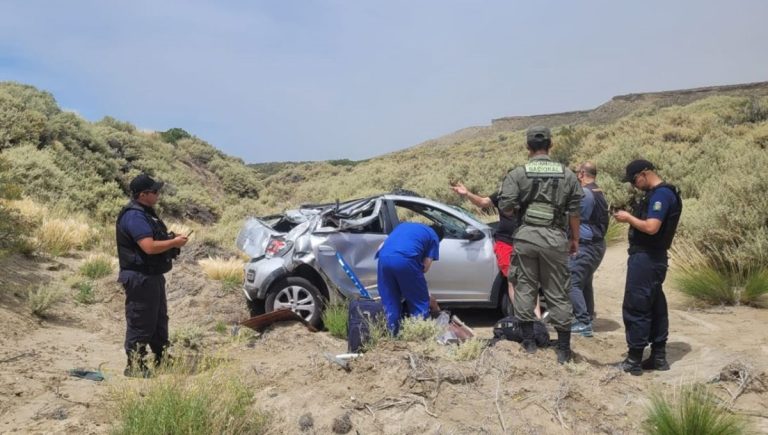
610,111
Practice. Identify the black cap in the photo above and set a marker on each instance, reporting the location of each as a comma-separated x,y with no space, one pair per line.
538,134
143,183
635,167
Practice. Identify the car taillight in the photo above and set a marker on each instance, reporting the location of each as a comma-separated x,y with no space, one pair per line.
277,247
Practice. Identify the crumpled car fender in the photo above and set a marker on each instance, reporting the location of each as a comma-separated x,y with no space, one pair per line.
269,271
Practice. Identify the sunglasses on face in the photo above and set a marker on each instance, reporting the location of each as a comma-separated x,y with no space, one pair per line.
151,191
634,179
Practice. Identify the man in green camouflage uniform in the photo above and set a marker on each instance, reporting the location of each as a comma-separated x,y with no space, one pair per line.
545,196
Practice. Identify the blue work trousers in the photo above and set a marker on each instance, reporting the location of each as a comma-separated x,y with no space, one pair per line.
402,278
646,319
146,313
589,289
582,267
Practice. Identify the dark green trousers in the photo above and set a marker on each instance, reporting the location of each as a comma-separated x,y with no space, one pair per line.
534,267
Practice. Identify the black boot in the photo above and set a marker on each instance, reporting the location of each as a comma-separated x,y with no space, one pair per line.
563,347
632,365
529,342
658,358
136,368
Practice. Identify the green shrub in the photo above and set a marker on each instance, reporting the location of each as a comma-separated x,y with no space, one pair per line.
708,285
85,293
203,404
41,299
417,329
693,410
174,135
96,267
756,288
220,328
189,337
336,318
469,350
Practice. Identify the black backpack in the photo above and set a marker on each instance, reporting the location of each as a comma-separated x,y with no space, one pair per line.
508,328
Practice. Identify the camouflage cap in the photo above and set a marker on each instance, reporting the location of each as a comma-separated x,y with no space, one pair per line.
538,133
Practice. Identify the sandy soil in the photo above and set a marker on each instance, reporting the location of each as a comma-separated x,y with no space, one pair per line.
397,388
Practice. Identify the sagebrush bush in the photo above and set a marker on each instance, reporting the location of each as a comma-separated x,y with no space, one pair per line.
691,410
188,337
97,266
41,299
417,329
336,319
208,403
469,350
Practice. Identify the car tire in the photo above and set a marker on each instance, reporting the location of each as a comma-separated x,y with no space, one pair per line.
255,307
299,295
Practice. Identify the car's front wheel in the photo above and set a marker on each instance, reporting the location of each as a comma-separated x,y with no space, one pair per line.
300,296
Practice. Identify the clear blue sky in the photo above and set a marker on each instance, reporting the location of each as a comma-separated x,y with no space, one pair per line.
315,80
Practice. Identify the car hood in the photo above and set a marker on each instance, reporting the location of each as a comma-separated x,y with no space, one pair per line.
254,236
328,218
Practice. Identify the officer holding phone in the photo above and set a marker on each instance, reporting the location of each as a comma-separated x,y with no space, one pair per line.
146,250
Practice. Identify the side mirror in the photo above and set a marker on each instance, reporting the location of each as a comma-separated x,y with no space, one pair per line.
473,234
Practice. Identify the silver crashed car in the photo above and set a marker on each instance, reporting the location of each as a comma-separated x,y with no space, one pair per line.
294,262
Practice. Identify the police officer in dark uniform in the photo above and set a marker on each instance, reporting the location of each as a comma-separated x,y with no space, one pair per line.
653,223
145,249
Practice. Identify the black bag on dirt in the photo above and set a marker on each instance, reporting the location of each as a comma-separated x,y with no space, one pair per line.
362,314
508,328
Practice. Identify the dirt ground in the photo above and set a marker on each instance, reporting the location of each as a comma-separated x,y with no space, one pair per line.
397,388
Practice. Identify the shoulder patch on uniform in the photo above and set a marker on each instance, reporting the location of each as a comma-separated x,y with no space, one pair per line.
657,206
544,168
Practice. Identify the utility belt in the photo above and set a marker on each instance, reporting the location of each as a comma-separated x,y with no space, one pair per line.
635,249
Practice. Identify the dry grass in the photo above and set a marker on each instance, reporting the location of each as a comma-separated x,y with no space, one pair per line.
229,270
58,236
32,210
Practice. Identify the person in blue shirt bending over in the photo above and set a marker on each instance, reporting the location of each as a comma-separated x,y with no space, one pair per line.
404,258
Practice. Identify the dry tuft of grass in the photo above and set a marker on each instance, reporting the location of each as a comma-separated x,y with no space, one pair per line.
30,209
60,236
229,271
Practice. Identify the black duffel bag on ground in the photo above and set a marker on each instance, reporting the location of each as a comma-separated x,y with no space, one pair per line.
508,328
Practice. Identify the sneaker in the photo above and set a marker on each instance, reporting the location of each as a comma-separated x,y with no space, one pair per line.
583,329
